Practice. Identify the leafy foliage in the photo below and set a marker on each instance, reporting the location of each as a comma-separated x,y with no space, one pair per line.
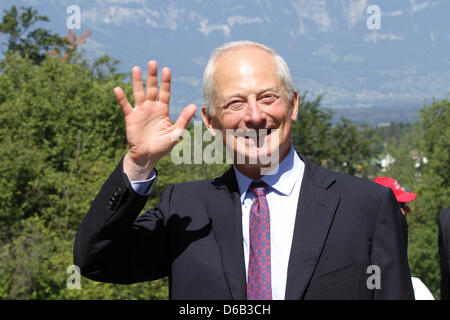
33,44
344,147
422,165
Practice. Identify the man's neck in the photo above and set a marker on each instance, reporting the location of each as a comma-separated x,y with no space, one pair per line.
254,171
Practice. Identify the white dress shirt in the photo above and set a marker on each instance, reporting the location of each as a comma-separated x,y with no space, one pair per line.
282,198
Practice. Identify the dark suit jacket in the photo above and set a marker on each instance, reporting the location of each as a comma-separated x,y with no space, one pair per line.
343,225
444,252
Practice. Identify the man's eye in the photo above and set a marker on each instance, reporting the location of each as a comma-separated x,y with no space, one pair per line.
268,98
235,105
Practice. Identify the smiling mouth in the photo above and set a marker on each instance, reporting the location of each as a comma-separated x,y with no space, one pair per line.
254,134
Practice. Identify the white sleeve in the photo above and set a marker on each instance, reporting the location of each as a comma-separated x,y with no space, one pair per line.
421,292
144,187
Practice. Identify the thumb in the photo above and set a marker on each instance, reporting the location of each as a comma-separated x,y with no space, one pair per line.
183,120
185,116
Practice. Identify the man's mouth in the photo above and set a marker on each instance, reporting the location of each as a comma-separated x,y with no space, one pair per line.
254,134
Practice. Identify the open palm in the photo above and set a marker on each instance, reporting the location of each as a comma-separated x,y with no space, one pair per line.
150,133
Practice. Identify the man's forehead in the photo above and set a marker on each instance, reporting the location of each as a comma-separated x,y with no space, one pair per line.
246,68
249,53
244,64
229,88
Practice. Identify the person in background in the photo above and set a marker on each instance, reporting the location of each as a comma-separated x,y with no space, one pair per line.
444,245
421,292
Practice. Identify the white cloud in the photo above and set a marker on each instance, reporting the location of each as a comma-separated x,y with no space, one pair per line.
354,11
115,14
194,82
97,48
375,37
421,6
327,51
151,22
118,15
118,12
206,28
393,13
201,61
119,1
171,15
242,20
432,37
315,10
354,58
323,50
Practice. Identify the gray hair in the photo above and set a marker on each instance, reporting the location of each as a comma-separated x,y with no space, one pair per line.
208,81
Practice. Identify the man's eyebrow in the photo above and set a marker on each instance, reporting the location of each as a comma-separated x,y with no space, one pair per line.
243,95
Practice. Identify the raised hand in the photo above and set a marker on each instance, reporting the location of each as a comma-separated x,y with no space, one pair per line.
150,134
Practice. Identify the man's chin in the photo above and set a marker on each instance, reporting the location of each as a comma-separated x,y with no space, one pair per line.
257,156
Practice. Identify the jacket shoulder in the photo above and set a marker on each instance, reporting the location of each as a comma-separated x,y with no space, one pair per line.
346,183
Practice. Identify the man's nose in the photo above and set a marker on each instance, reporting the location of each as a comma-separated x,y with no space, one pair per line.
255,114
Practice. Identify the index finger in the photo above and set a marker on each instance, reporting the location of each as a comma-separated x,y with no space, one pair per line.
123,101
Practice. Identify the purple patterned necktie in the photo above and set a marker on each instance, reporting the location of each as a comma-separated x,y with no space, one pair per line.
259,284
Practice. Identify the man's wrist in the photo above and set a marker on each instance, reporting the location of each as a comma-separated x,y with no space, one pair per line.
144,187
135,171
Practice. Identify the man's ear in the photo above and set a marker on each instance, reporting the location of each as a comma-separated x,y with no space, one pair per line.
294,105
208,121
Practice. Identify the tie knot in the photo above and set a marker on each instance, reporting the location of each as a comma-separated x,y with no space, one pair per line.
259,188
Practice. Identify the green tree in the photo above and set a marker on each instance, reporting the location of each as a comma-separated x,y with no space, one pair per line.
343,147
312,130
422,165
61,135
433,188
394,132
60,125
21,40
353,149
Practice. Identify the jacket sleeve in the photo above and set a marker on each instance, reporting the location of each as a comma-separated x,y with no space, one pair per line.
389,252
113,244
444,249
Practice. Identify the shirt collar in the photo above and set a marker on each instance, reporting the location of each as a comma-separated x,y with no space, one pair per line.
283,181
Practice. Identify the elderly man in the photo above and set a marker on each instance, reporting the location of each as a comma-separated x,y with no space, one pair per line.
282,229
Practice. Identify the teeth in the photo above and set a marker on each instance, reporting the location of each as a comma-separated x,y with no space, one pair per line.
253,133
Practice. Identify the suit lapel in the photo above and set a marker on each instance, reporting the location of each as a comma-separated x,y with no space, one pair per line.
226,220
315,212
